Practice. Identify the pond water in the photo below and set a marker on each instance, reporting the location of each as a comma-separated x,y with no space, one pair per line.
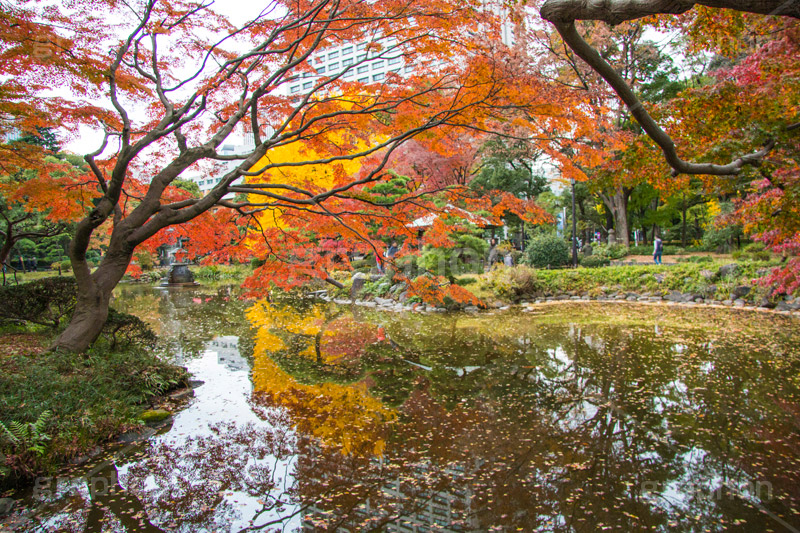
573,417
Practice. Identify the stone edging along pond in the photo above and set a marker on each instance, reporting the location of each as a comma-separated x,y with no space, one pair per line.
789,307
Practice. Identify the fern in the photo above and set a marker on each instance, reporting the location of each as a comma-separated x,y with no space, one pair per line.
29,436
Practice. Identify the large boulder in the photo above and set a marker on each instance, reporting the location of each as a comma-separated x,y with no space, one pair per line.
729,270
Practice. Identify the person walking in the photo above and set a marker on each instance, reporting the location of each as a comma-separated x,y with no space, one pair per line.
658,249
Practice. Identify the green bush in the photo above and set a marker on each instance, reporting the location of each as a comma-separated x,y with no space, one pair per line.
126,331
695,259
145,260
594,261
613,252
514,283
45,301
547,251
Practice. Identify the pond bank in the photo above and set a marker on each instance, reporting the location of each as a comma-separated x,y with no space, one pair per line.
722,284
60,409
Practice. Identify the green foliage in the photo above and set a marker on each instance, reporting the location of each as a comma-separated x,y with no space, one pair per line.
145,260
695,259
755,251
545,251
594,261
45,301
89,398
189,186
27,436
125,331
611,252
511,284
221,272
514,283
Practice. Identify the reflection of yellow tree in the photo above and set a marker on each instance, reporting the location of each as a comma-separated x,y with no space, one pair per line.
342,416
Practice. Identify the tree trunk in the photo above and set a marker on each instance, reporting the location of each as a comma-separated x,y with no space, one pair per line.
618,205
5,251
683,221
94,296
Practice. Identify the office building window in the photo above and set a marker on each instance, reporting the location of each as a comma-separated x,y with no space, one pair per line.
362,69
409,68
347,50
348,74
377,65
361,57
295,88
378,77
333,66
363,80
307,85
346,62
395,71
333,55
394,60
361,46
319,59
320,70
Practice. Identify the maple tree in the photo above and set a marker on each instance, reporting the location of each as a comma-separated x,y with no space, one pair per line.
169,81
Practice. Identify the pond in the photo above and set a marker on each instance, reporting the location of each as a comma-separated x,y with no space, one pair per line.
573,417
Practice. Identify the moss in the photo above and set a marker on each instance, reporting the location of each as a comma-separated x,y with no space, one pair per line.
154,415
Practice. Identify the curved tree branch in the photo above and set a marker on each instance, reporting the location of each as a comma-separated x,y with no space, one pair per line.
585,51
617,11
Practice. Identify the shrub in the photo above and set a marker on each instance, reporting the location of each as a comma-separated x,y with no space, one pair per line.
514,283
126,331
547,251
615,251
594,261
145,260
695,259
45,301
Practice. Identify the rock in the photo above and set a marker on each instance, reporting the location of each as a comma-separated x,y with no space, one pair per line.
505,308
135,436
729,270
710,291
471,309
660,277
403,297
341,301
154,415
195,383
397,287
6,506
574,297
699,300
359,279
765,303
632,298
654,298
739,302
687,297
674,296
740,292
562,297
182,394
707,274
727,302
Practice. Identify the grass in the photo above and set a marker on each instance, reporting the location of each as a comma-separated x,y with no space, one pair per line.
74,402
524,282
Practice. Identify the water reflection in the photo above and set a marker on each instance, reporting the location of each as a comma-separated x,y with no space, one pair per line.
578,418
